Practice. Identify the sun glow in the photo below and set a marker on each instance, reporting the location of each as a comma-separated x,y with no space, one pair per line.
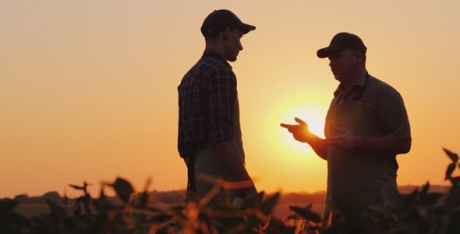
312,110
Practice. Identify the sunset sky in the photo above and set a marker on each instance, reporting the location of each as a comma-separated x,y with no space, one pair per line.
88,89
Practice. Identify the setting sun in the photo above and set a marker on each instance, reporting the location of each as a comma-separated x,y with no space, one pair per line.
311,109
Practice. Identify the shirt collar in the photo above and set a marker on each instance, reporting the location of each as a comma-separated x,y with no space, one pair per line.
213,53
360,82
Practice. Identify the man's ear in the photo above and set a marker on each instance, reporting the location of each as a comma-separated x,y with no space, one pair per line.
226,33
359,56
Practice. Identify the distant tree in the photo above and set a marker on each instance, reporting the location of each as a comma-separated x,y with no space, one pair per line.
53,196
21,198
170,197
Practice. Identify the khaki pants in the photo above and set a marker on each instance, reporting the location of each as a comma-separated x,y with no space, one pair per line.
208,162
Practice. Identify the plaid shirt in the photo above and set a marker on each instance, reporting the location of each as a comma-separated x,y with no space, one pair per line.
207,95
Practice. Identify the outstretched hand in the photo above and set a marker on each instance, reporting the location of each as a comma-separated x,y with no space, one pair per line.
299,131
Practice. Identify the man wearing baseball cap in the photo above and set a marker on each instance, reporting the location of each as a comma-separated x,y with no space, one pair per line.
366,127
209,138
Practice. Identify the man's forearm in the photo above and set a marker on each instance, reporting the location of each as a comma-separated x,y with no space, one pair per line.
318,145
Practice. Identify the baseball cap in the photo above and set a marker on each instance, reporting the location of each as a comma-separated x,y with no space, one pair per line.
219,20
342,41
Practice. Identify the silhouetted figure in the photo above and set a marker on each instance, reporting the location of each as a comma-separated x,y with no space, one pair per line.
209,138
366,127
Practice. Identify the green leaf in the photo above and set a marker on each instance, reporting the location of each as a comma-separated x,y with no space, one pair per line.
411,197
228,223
425,188
76,187
177,209
7,205
77,211
155,209
391,195
253,201
143,199
160,218
433,198
306,213
452,199
102,194
451,155
267,206
102,205
79,200
277,226
348,205
455,180
123,188
88,210
449,171
251,222
55,208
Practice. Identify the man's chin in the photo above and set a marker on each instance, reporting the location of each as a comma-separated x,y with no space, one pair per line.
337,75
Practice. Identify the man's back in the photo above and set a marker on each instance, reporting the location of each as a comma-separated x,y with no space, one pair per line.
210,82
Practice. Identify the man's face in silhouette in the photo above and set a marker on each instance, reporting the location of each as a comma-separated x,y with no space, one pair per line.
232,39
344,64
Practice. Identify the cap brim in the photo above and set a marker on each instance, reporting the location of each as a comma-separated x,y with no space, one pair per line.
246,28
326,51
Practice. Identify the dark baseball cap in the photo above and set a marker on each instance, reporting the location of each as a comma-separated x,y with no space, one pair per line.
340,42
219,20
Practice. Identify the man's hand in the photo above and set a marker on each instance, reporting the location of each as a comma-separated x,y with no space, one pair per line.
299,131
345,140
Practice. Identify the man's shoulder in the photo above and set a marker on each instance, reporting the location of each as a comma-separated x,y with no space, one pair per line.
209,65
213,62
377,85
208,69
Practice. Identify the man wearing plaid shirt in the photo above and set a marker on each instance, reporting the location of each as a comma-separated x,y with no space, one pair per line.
209,138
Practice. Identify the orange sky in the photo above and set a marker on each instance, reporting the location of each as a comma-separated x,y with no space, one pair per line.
88,88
